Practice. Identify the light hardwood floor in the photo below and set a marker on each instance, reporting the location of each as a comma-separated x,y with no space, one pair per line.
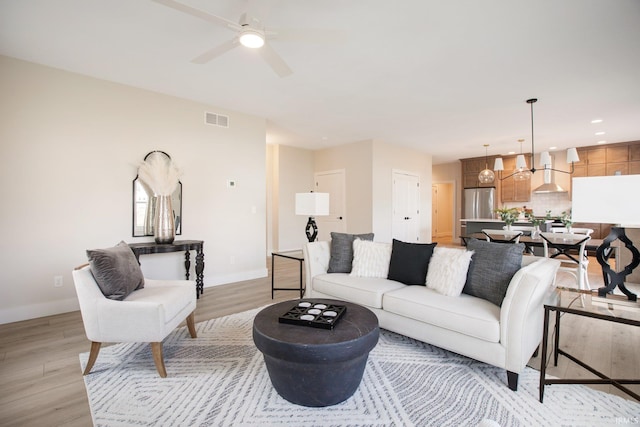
41,382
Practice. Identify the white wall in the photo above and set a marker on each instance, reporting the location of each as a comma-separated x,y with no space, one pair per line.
70,146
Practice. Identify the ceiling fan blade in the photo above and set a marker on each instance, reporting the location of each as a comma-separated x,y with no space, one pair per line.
200,14
216,51
275,61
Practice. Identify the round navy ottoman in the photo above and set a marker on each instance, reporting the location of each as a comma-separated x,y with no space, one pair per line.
316,367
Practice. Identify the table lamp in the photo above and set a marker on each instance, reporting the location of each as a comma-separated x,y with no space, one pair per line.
610,200
312,205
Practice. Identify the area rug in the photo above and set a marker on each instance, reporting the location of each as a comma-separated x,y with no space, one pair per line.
219,379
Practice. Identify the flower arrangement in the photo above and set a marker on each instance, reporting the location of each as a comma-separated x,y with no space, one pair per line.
508,215
565,217
536,222
160,173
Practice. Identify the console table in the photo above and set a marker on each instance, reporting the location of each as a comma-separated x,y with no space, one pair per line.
177,246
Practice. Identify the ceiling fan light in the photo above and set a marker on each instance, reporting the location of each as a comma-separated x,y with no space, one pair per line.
252,39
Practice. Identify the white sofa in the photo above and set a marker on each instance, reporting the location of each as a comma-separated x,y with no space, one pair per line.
504,336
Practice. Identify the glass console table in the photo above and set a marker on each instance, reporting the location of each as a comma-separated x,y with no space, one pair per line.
568,301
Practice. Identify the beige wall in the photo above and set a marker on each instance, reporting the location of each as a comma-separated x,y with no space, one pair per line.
368,169
388,158
292,172
357,161
70,146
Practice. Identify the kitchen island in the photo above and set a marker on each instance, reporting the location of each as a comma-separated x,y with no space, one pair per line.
470,226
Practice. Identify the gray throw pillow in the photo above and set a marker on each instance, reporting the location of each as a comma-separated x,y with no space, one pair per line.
342,251
116,271
491,269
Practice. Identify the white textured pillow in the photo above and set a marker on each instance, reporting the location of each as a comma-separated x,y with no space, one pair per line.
447,272
370,259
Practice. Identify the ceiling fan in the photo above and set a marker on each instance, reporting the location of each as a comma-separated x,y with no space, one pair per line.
250,32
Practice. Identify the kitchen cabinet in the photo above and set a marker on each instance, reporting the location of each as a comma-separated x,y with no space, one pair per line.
470,170
512,190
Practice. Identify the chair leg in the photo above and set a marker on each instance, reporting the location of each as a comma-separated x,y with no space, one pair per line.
93,355
156,350
191,324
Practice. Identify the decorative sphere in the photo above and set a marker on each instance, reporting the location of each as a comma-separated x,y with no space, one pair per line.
486,176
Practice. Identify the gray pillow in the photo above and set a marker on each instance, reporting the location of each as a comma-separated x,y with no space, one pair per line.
342,251
116,271
491,269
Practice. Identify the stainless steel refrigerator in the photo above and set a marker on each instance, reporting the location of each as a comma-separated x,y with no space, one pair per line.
479,203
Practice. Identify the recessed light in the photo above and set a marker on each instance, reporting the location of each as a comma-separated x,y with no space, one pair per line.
594,121
602,142
511,152
553,148
599,133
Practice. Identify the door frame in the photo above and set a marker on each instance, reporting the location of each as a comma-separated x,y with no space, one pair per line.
454,211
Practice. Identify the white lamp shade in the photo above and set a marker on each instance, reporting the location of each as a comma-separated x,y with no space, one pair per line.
606,199
521,163
312,204
498,165
545,159
572,155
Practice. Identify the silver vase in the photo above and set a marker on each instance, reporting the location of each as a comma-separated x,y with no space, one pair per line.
164,224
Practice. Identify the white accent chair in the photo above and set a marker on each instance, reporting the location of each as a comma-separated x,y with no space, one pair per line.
146,315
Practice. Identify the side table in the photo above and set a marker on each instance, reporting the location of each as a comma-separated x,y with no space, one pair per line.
295,255
177,246
611,313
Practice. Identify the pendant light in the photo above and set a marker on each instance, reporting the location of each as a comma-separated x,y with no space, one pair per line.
522,172
486,176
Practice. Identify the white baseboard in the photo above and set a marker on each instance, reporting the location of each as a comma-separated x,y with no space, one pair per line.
223,279
33,311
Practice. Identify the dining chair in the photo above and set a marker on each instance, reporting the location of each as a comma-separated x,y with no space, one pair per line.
574,230
502,236
569,248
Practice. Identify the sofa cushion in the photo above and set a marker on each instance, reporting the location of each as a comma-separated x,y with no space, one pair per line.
410,262
448,270
370,259
492,267
360,290
465,314
342,251
116,270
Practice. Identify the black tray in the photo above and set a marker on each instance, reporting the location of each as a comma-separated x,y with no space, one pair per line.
307,313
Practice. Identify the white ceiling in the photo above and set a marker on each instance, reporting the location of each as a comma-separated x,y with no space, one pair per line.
444,77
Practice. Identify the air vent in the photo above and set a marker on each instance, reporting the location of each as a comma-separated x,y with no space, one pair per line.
216,119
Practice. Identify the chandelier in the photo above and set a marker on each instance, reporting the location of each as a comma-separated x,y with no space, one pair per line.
522,171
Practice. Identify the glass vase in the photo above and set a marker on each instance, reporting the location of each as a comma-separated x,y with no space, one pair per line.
164,224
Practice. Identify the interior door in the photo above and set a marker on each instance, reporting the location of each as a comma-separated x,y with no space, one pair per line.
332,182
442,210
406,207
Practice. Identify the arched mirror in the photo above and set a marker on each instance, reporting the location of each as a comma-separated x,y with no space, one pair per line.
144,203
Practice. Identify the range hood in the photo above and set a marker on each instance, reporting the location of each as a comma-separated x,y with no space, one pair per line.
549,186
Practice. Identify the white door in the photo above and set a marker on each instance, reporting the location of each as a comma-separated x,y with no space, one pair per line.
406,207
332,182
